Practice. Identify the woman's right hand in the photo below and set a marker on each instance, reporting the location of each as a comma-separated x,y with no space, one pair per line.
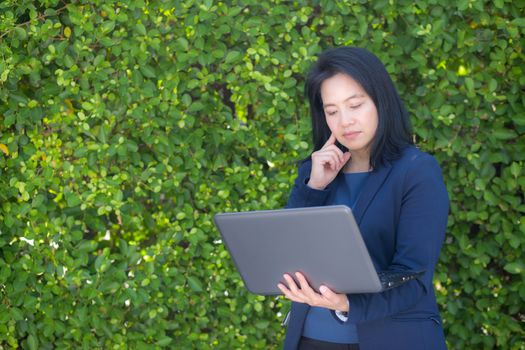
326,164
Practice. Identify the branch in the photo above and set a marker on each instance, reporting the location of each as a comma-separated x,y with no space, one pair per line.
39,18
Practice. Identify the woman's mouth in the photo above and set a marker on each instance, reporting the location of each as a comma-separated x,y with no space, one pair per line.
351,134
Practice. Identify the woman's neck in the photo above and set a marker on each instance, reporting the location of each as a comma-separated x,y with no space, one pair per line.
358,163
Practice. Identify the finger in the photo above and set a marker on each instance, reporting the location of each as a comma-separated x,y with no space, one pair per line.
331,140
329,158
283,289
342,157
310,295
333,300
327,293
324,159
305,286
346,158
336,150
295,293
332,162
287,293
291,284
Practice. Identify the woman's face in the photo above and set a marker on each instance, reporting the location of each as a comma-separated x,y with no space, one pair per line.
350,113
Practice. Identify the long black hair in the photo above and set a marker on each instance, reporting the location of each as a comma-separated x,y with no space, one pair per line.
393,130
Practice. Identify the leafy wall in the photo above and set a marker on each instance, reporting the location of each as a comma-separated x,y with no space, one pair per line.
125,125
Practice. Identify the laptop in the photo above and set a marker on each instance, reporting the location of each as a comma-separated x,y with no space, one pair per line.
324,243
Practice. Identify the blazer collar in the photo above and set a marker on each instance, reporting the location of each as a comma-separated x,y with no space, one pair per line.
368,192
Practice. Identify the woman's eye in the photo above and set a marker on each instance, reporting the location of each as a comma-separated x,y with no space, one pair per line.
356,106
331,113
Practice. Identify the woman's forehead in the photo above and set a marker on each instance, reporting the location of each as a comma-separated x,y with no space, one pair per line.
340,88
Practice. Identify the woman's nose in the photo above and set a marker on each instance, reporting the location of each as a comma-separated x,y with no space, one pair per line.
347,118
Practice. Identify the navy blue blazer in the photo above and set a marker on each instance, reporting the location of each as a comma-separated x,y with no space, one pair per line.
402,213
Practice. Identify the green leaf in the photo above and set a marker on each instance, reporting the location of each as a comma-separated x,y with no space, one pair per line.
73,199
515,268
262,324
99,261
195,284
164,341
88,106
32,342
515,169
183,43
87,246
520,22
148,71
504,134
141,29
232,56
469,83
493,85
108,26
462,5
16,314
20,33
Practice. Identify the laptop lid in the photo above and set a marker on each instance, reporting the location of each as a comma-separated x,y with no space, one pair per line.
324,243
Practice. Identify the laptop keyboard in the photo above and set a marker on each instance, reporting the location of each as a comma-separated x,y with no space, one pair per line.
392,279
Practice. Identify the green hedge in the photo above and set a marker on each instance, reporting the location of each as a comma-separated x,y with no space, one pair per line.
125,125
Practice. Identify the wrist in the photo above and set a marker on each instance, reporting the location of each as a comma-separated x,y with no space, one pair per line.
314,185
345,307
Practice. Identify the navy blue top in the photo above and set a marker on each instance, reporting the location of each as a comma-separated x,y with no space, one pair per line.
320,323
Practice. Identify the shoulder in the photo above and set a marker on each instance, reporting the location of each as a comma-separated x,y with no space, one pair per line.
413,154
412,158
419,170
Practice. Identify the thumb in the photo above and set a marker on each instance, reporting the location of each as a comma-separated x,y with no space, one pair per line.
327,293
346,158
336,301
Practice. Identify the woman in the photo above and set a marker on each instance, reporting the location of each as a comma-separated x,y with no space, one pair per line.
364,158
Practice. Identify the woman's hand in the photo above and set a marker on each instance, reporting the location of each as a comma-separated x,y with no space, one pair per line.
326,164
305,294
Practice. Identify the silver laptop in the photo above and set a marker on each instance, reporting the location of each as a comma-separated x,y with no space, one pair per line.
324,243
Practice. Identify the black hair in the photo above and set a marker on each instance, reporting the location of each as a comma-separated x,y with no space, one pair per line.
393,132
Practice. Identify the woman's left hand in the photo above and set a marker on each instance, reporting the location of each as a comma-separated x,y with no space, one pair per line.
305,294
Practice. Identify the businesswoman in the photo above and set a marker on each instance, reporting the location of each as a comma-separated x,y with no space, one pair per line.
364,158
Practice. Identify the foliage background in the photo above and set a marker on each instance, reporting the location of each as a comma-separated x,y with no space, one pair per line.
125,125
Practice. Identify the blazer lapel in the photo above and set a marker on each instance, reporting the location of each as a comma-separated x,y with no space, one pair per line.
295,325
371,186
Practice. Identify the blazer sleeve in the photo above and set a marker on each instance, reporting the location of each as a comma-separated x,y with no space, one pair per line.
304,196
420,234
